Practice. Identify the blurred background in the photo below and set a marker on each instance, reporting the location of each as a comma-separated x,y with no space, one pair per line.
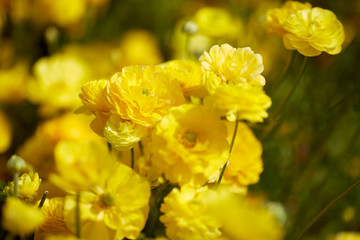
48,48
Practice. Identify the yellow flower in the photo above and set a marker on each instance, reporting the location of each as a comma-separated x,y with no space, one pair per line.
232,66
120,202
189,75
53,210
61,237
241,218
245,163
28,185
80,165
216,23
347,236
248,101
5,133
93,95
143,94
67,127
308,30
123,134
20,218
57,82
186,217
189,145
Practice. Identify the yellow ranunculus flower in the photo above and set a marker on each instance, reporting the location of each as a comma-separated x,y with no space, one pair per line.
143,94
5,133
53,210
190,145
20,218
120,202
80,165
93,95
347,236
307,30
245,163
232,66
248,101
185,214
28,185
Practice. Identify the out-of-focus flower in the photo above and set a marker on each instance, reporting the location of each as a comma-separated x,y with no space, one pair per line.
307,30
120,202
190,145
230,65
28,185
241,218
217,23
80,164
143,94
57,82
186,217
245,101
347,236
245,163
54,224
189,75
2,18
13,83
139,47
67,127
5,133
60,237
20,218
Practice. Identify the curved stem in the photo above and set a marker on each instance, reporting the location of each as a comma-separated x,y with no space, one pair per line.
16,183
230,150
324,210
284,72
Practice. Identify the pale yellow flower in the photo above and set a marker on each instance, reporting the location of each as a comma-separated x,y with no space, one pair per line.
80,164
57,82
347,236
189,145
120,202
231,66
143,94
5,133
20,218
53,210
185,214
28,185
245,163
247,101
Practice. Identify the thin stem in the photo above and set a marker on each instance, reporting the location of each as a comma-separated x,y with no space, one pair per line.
141,148
325,209
230,150
285,70
16,183
109,146
43,199
77,216
132,158
285,100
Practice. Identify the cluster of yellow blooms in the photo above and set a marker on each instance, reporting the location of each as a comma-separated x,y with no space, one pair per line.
184,123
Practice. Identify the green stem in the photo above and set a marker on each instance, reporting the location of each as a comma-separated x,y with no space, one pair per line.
77,216
274,117
16,183
141,148
132,158
230,150
43,199
325,209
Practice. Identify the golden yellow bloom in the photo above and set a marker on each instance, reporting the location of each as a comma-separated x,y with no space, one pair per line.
307,30
20,218
57,82
245,163
120,202
248,101
61,237
241,218
347,236
53,210
28,185
216,23
232,66
66,127
5,133
80,165
186,217
189,75
93,95
189,145
143,94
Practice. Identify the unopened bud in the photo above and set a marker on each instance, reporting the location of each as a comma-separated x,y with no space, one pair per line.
190,27
15,163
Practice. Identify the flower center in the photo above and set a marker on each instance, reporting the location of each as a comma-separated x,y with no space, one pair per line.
145,91
189,139
108,199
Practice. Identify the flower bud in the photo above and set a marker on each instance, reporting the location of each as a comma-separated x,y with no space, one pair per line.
15,163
